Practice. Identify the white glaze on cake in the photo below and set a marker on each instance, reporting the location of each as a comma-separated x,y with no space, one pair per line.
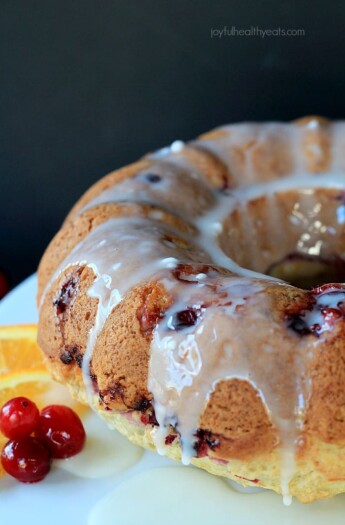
128,251
183,371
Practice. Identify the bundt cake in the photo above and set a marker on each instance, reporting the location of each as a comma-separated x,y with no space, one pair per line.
194,300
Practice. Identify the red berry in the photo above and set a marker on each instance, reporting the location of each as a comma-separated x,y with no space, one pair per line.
18,417
4,285
61,430
26,459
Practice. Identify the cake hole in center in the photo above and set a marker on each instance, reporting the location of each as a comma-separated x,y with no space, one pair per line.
294,235
306,271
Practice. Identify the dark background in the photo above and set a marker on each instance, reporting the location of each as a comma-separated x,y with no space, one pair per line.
86,87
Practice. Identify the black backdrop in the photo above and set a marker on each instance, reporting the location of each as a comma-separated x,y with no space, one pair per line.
87,86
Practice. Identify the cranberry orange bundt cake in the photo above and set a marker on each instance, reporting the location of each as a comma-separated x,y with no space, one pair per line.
194,299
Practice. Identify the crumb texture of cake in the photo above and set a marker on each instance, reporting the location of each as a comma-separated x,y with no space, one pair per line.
195,300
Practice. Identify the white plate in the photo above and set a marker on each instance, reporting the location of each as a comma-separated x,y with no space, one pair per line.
150,491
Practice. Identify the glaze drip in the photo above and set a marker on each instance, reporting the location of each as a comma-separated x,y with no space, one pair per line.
183,370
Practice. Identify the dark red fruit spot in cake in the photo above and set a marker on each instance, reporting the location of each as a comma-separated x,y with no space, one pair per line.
324,307
204,442
72,354
340,197
66,357
330,315
184,318
153,178
149,316
149,419
143,405
170,439
67,293
256,480
148,416
298,325
115,393
79,360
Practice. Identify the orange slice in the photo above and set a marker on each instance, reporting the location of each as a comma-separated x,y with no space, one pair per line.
28,383
18,348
